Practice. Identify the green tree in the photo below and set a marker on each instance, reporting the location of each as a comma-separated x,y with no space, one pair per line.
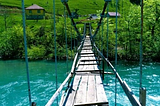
151,28
11,43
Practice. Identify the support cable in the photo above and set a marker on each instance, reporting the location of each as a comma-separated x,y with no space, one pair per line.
102,39
102,52
74,44
55,45
99,39
142,91
102,16
65,27
71,42
70,15
26,54
107,30
141,51
116,56
107,36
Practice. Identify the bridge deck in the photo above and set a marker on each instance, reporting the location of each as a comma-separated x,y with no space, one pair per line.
87,87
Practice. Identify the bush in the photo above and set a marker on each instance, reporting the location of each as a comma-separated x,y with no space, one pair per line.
36,52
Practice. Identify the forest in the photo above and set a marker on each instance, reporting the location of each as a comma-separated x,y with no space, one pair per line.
40,38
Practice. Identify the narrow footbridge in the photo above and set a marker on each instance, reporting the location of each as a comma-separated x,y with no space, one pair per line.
87,87
85,81
84,84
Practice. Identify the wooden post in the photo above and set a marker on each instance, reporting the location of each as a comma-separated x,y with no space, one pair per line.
34,104
142,99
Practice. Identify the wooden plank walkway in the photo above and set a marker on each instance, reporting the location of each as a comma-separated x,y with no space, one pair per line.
87,87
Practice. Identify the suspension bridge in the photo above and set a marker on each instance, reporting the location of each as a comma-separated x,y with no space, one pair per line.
85,80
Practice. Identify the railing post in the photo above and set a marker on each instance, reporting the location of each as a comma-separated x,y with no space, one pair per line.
142,98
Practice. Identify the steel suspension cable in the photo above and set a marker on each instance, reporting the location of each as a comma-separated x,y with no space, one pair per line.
102,39
107,35
26,54
102,16
107,30
71,41
74,43
99,39
65,27
142,91
70,15
55,45
141,46
116,55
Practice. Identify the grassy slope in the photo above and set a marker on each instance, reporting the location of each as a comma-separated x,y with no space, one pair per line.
84,6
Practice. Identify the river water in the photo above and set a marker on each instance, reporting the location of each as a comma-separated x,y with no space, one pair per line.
14,91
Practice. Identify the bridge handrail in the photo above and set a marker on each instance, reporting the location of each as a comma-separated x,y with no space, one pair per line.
64,82
70,75
124,85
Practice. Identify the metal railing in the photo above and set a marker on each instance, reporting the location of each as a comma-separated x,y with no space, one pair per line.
133,100
69,77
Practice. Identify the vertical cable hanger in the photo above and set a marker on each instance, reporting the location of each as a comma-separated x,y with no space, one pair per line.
141,51
107,35
65,27
71,41
142,91
102,38
55,45
116,56
99,38
74,43
26,54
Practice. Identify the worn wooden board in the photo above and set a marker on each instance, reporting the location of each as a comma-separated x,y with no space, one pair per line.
82,91
91,92
69,101
101,97
88,84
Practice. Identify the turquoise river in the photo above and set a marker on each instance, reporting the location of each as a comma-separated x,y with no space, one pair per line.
14,89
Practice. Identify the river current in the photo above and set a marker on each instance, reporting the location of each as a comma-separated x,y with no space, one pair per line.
14,89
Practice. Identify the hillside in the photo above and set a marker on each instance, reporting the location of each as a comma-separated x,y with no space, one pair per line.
40,33
84,6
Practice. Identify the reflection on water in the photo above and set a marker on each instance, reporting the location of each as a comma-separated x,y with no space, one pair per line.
14,92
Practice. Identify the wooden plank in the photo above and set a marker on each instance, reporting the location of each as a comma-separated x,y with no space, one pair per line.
83,53
91,104
87,48
86,69
81,93
87,73
69,101
91,94
86,55
62,98
90,60
88,63
89,45
91,71
101,96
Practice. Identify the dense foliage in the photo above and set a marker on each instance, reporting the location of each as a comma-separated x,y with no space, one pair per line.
40,38
129,31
